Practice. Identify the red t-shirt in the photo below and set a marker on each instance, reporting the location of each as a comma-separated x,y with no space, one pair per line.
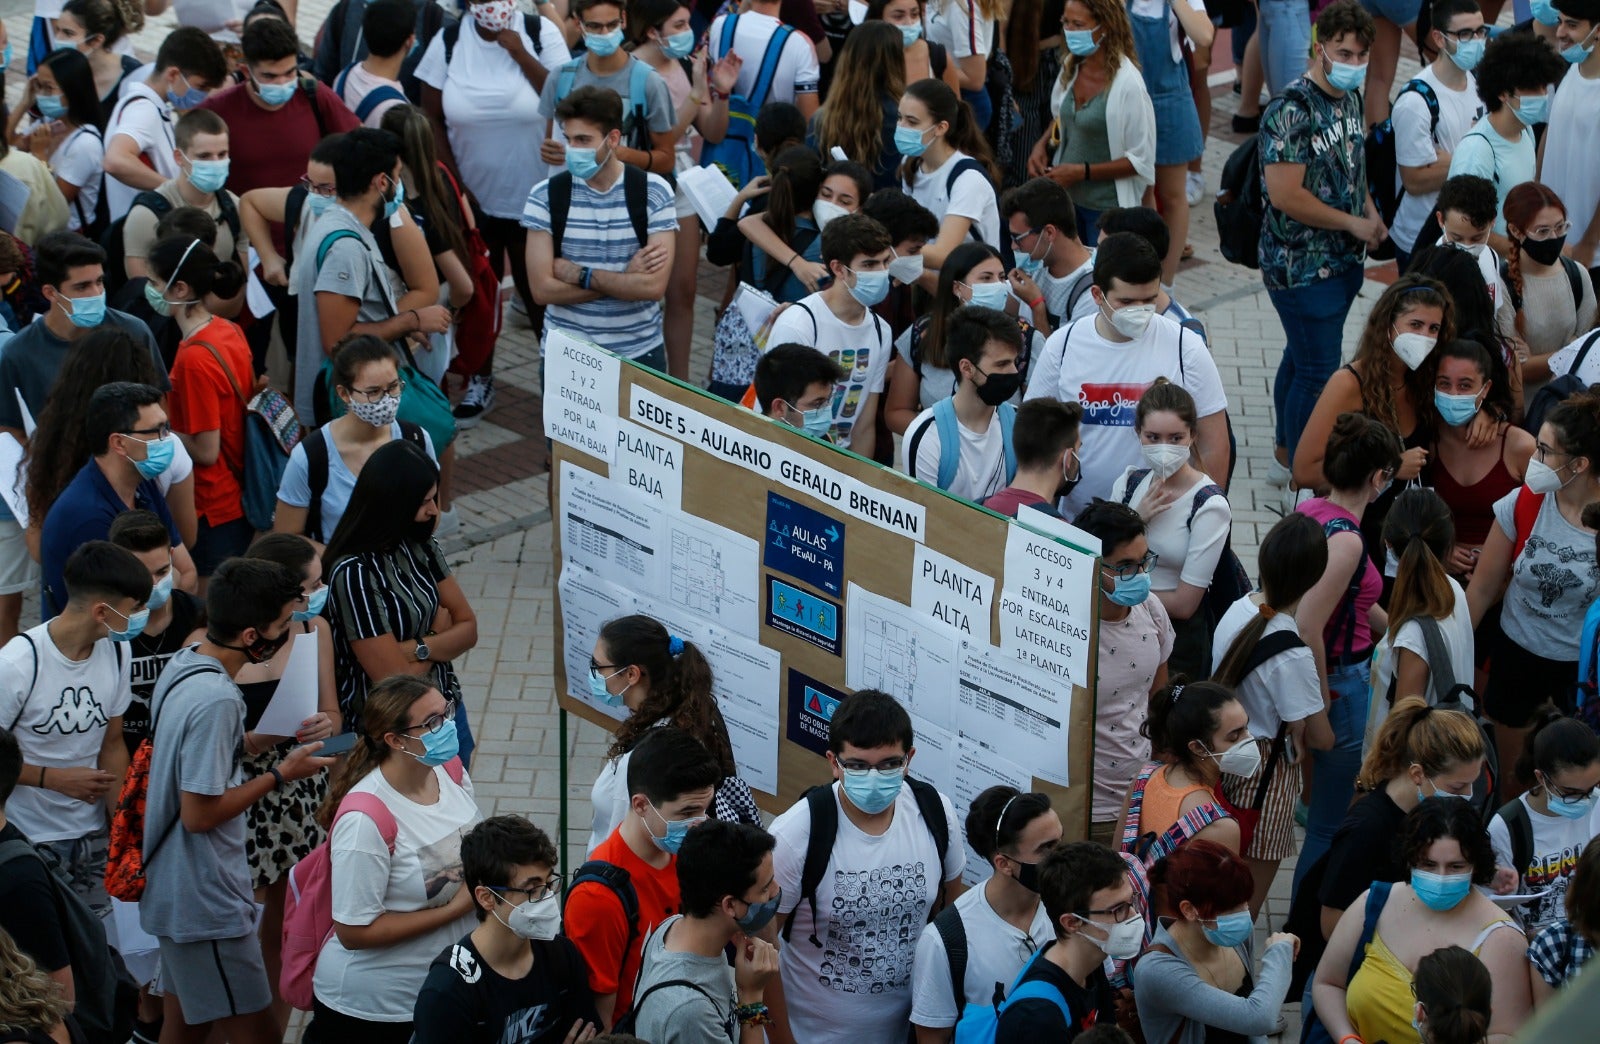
1011,500
594,921
203,399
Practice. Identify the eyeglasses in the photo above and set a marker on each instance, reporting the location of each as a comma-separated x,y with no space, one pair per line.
1464,35
886,765
596,667
598,28
1570,795
1119,913
315,188
160,431
1129,570
542,890
369,394
435,722
1550,231
1541,451
1018,237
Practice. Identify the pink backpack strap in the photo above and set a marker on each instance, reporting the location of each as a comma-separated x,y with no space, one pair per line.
1130,826
374,809
456,770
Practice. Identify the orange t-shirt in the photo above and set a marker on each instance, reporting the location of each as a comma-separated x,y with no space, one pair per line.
203,399
594,921
1159,808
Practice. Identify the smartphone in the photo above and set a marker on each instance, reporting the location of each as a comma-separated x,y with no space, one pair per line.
338,746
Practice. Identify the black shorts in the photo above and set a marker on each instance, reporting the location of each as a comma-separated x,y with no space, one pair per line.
1520,681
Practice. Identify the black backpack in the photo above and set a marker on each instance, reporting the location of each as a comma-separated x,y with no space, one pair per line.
530,24
1229,581
1448,693
316,444
1520,827
1562,388
111,240
824,810
1383,171
635,196
1241,205
615,879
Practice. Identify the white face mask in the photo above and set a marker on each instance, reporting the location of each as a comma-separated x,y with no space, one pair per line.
1123,940
823,211
1542,478
538,919
1474,249
906,269
1132,320
1164,460
1412,348
1242,759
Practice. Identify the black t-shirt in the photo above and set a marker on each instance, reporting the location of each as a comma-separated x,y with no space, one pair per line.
1364,849
150,654
464,1001
130,298
1029,1021
28,908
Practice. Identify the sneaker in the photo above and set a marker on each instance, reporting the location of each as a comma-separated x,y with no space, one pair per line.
1278,473
449,525
1195,185
476,403
1246,124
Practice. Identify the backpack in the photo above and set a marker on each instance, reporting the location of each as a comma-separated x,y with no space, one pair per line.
316,444
1007,257
1383,172
1311,1029
111,240
1559,389
1575,273
635,196
271,432
1520,827
638,108
1005,125
530,25
1149,848
308,902
125,855
1241,204
824,810
478,321
94,976
944,421
345,18
92,226
614,879
977,1024
1229,581
375,97
1452,694
629,1022
735,155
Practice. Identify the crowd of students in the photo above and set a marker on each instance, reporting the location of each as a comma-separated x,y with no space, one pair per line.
966,218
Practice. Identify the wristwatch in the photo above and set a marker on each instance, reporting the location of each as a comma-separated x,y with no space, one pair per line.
422,652
584,275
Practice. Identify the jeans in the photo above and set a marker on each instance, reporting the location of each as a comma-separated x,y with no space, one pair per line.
1313,327
1242,32
1285,30
464,735
982,107
1333,772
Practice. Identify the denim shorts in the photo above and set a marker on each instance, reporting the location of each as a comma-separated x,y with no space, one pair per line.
1400,12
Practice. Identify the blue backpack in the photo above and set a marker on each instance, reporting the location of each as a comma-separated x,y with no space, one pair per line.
944,421
271,432
979,1024
375,97
735,155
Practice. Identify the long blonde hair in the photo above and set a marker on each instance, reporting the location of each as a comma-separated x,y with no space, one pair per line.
871,64
1421,532
1416,734
386,710
1116,40
29,998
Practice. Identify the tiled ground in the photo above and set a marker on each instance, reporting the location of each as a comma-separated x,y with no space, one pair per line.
503,554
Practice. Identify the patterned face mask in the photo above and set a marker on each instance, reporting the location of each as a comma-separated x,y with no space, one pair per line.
495,15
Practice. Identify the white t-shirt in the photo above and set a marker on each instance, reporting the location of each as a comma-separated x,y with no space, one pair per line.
1482,151
961,27
79,160
861,350
381,984
1569,166
1557,844
1284,688
294,488
797,71
1107,378
996,951
971,197
982,470
872,906
1456,629
1161,9
1561,361
1413,147
59,721
361,83
491,111
144,116
1058,293
1186,554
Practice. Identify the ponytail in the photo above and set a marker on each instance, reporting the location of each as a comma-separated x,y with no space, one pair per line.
1182,713
1294,555
945,106
796,177
187,260
1455,990
679,680
1421,532
1416,734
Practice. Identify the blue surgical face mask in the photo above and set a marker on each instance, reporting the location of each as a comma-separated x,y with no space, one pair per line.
5,60
208,175
275,93
1081,42
1130,590
1030,266
314,603
191,97
135,626
678,45
1440,892
1578,809
818,422
602,695
51,106
873,790
1532,109
583,164
911,33
439,747
156,300
1467,54
317,204
1544,12
603,45
86,313
989,295
158,454
1455,410
1578,51
1232,929
1343,77
908,141
677,830
759,915
391,206
161,592
870,287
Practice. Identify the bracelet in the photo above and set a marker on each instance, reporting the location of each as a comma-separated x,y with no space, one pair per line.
789,264
41,777
416,317
758,1015
585,276
1036,303
698,101
1086,176
1350,1037
277,778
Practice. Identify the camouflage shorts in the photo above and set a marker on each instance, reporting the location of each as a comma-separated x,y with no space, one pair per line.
81,862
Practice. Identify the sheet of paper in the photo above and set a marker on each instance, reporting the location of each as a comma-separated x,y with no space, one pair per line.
140,951
713,571
953,593
934,761
13,200
710,191
1046,605
587,602
28,423
296,697
746,679
1063,529
615,532
976,770
255,294
1507,902
649,463
755,305
907,654
580,394
207,15
13,478
1012,708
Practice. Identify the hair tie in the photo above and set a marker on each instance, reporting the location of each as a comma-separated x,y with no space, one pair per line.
674,644
1177,690
1266,611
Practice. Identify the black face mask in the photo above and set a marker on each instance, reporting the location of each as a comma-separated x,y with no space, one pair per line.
422,532
259,651
1544,251
1028,876
998,387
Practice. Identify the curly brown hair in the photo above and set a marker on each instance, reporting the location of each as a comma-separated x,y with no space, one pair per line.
29,998
872,64
679,687
1375,359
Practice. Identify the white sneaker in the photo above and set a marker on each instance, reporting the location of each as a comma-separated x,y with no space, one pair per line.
1278,474
449,525
476,402
1195,187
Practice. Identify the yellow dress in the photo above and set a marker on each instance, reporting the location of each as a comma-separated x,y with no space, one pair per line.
1379,999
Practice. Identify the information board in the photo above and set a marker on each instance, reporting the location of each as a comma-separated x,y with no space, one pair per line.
805,572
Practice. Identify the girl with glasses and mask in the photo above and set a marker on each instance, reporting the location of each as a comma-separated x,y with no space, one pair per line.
1538,566
397,810
1446,853
393,602
654,678
1538,835
1194,984
1004,921
1552,294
